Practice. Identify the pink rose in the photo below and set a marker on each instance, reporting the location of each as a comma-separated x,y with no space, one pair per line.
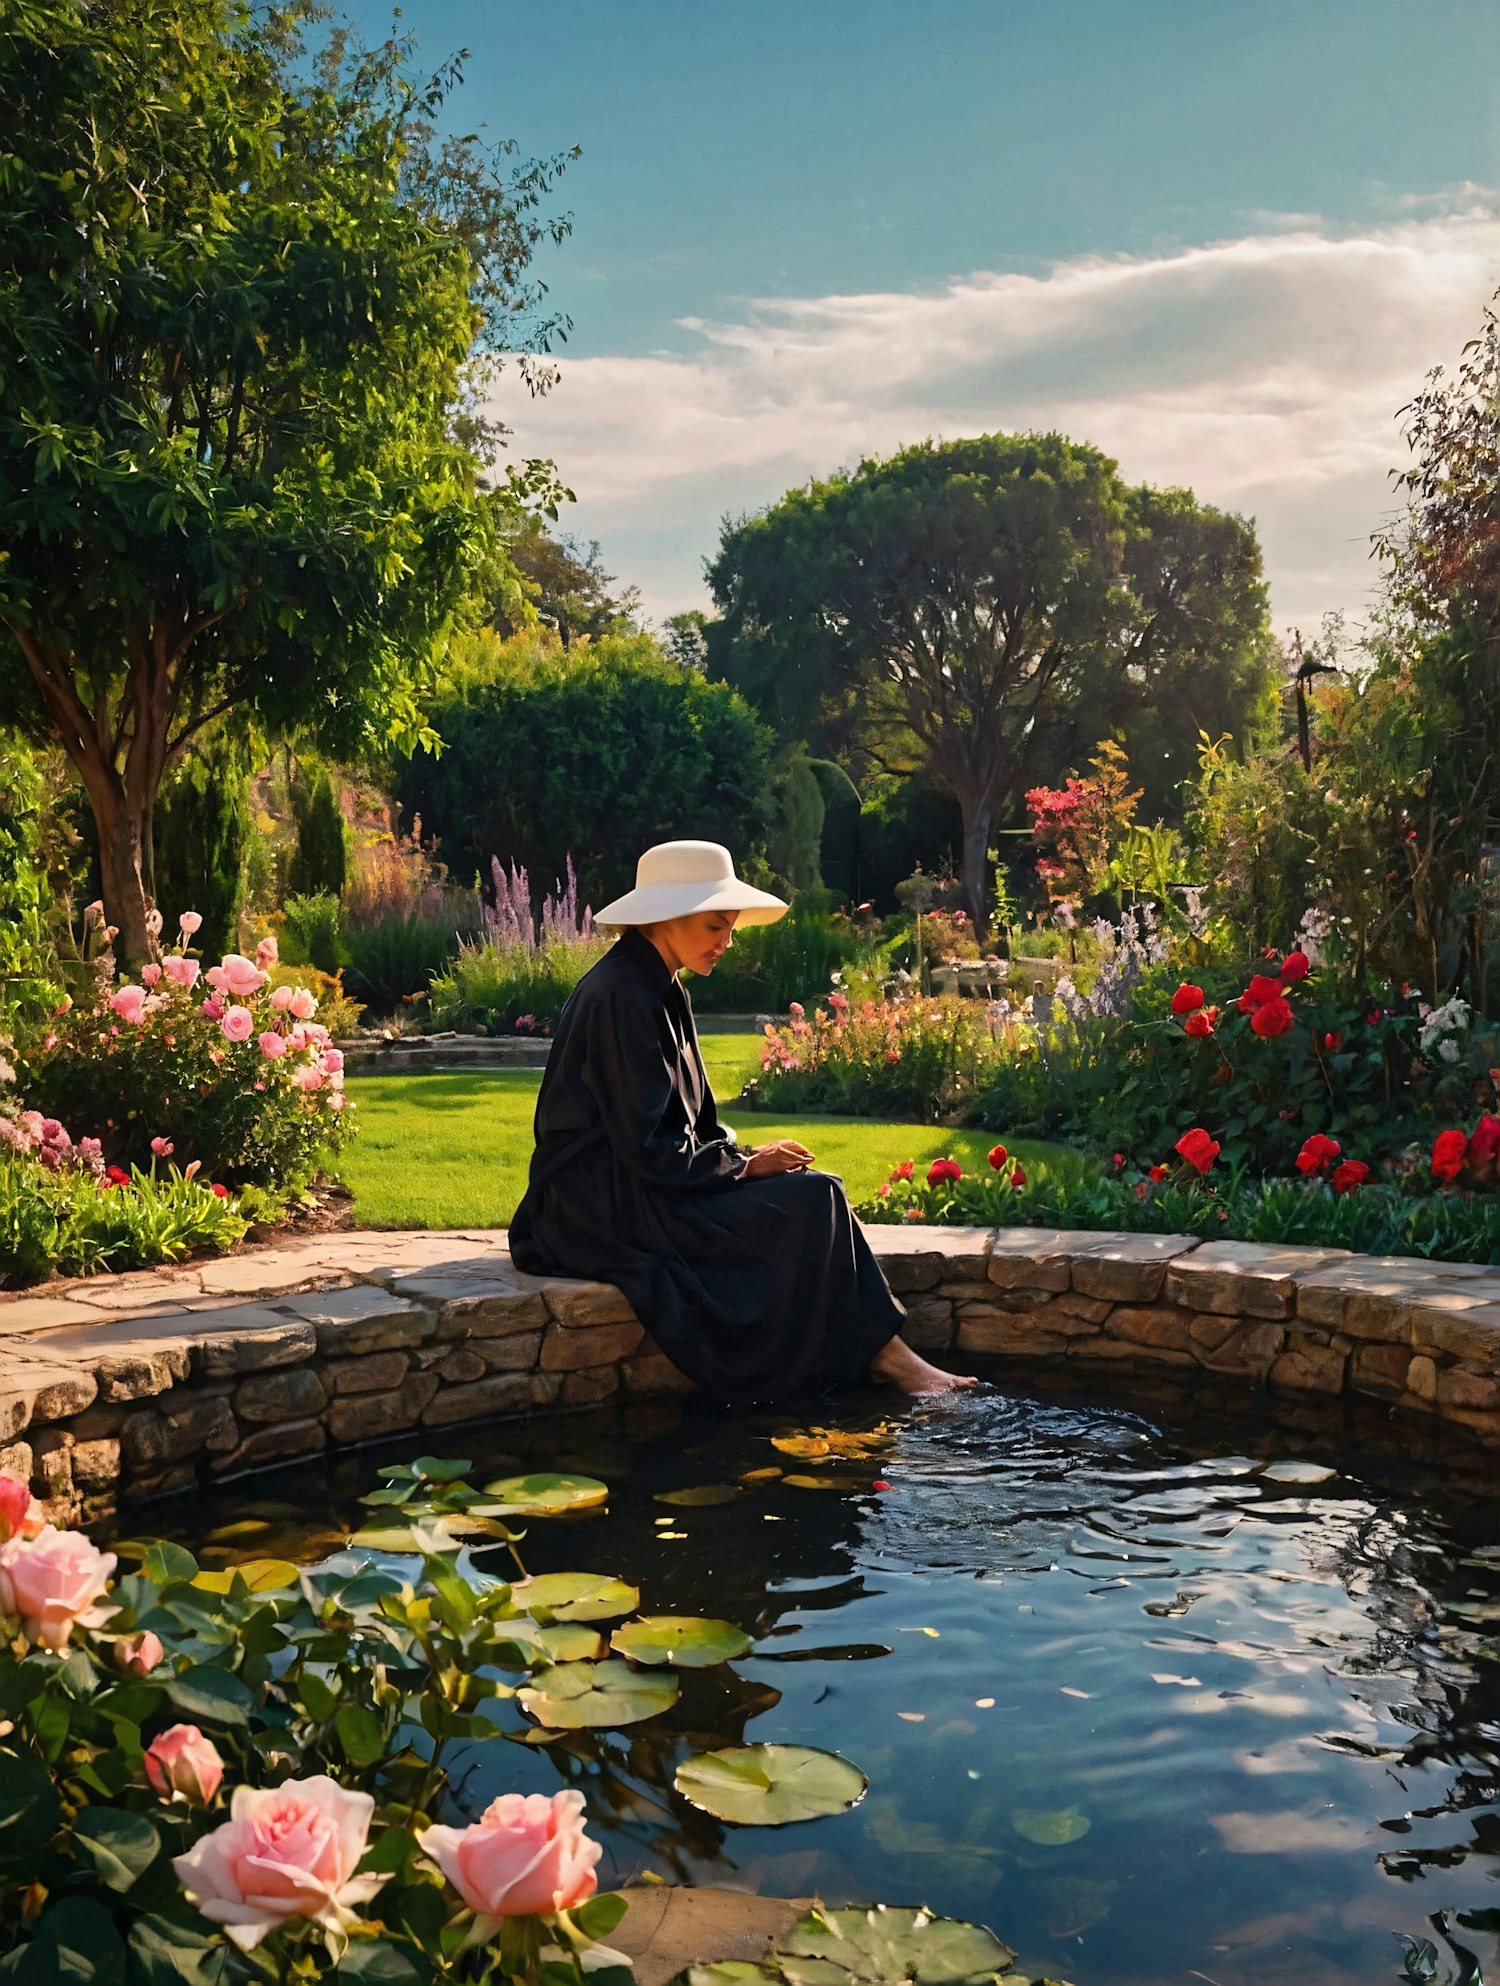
297,1039
240,977
337,1101
163,1147
314,1030
285,1851
267,952
182,972
332,1061
54,1134
182,1762
20,1513
526,1856
130,1004
238,1024
304,1004
137,1655
189,922
213,1008
150,974
281,997
272,1045
309,1078
51,1582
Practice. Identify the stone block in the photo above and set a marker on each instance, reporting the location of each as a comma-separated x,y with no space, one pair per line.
142,1375
1422,1377
1305,1367
284,1442
651,1373
1038,1258
929,1324
1129,1268
501,1393
33,1391
1029,1309
52,1470
38,1313
1156,1325
376,1372
460,1364
276,1396
1246,1350
162,1482
17,1459
96,1464
349,1323
252,1339
587,1389
1325,1296
984,1328
1245,1278
588,1306
1463,1386
1470,1334
1086,1309
545,1387
567,1348
516,1354
369,1416
1379,1370
1135,1350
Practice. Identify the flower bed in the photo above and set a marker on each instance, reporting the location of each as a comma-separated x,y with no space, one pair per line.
924,1059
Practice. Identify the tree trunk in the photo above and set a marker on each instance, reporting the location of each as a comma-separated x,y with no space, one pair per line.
978,818
121,854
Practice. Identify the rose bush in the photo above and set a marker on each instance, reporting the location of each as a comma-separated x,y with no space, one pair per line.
922,1059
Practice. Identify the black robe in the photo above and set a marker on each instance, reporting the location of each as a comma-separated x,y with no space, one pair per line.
757,1289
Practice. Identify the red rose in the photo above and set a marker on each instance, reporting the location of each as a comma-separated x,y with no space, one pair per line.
1350,1175
1258,992
1449,1150
998,1156
1317,1153
1275,1017
944,1170
1017,1178
904,1170
1187,999
1158,1173
1119,1160
1201,1024
1484,1145
1333,1041
219,1192
1198,1149
1295,966
116,1176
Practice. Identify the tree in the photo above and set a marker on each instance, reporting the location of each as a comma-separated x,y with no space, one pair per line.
595,751
565,587
986,610
248,300
320,860
202,826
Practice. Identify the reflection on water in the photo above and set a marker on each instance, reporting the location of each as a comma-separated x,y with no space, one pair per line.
1150,1713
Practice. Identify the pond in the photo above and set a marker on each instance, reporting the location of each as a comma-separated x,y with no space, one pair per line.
1151,1710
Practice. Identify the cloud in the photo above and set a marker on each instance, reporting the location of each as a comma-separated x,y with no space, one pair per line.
1265,372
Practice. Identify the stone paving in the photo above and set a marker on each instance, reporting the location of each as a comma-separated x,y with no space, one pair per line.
144,1383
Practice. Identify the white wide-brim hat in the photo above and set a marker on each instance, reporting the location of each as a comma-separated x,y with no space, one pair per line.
680,878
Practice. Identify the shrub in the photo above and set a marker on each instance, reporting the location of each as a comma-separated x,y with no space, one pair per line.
28,988
527,963
396,960
201,830
313,932
923,1059
320,860
798,958
242,1081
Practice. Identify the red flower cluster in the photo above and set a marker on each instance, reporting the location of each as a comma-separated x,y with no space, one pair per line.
944,1171
1317,1154
1197,1149
1265,1001
1201,1024
1454,1151
1349,1176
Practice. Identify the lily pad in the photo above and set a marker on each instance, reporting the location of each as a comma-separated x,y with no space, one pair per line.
546,1494
701,1496
578,1696
889,1946
770,1785
1051,1830
815,1482
577,1596
571,1641
407,1533
261,1575
1298,1472
680,1640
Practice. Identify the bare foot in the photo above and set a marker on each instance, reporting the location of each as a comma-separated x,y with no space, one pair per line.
900,1366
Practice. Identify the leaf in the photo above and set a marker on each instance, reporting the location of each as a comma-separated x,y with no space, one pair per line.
78,1937
814,1482
888,1946
806,1447
546,1495
681,1641
760,1476
375,1961
577,1596
703,1495
28,1806
436,1470
1051,1829
360,1732
166,1954
1297,1472
600,1914
120,1844
210,1695
261,1575
162,1563
582,1695
571,1641
770,1785
413,1536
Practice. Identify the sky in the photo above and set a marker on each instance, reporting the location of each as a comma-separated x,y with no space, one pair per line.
1222,240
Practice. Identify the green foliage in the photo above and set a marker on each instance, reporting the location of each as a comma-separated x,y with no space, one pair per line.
312,933
838,848
231,473
797,838
597,752
883,1946
923,1059
320,860
28,989
72,1222
563,585
396,960
202,826
488,987
797,958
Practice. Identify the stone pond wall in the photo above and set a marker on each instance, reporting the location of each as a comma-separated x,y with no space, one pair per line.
140,1384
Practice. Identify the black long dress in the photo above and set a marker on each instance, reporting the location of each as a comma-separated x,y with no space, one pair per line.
757,1289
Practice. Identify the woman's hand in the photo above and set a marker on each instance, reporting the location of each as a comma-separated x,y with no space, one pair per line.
786,1155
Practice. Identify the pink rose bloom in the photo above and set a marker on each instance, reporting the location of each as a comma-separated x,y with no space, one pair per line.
309,1078
285,1851
297,1039
163,1147
304,1004
526,1856
281,997
241,978
337,1101
20,1513
272,1044
130,1004
213,1008
137,1655
182,972
238,1024
54,1134
150,974
266,952
189,922
314,1030
332,1061
217,978
182,1762
52,1582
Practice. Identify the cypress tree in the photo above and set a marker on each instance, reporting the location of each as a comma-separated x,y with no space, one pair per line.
201,828
320,861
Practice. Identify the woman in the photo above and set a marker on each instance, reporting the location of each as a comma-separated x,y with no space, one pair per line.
746,1266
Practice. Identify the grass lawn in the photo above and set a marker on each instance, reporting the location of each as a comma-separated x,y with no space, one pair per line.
453,1150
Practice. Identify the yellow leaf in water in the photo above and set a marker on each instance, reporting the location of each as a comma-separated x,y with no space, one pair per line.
1184,1682
813,1482
810,1447
671,1534
761,1476
1087,1695
913,1716
984,1703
